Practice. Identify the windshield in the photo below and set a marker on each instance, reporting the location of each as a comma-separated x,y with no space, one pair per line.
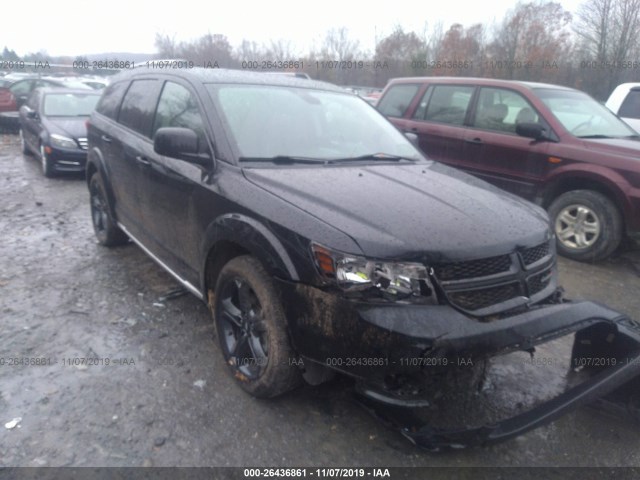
582,116
272,121
69,104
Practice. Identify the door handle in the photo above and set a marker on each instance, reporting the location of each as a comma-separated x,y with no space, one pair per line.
474,141
143,160
106,138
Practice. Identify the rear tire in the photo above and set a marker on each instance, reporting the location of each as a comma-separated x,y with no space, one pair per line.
252,329
23,144
105,228
588,226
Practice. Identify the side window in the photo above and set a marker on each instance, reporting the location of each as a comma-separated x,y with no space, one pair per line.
397,99
630,108
178,108
21,88
449,104
139,105
421,111
501,110
111,98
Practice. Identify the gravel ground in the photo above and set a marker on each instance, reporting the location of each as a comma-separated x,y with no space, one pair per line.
165,398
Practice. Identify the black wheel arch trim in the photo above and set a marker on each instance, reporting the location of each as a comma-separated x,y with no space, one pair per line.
253,236
96,163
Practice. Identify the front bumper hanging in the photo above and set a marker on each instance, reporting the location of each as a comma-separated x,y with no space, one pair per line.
616,338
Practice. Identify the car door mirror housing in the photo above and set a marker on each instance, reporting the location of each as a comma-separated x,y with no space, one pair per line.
180,143
28,112
413,138
536,131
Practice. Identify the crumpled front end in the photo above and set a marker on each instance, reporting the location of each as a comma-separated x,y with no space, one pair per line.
398,354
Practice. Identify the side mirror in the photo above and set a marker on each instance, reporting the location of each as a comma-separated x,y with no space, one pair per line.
180,143
531,130
27,112
413,138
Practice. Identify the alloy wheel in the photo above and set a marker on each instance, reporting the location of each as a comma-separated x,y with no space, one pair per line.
577,227
241,326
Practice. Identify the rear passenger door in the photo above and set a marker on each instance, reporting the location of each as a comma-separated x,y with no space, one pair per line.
128,144
495,152
439,121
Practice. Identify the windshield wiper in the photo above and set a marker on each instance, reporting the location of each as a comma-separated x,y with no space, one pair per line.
596,136
284,160
377,157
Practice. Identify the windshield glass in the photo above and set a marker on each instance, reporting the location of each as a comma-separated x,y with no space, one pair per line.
69,104
272,121
581,115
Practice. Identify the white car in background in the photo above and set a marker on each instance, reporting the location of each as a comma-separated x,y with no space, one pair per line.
624,101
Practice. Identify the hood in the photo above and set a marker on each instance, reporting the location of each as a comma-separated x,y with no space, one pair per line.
72,127
423,211
623,147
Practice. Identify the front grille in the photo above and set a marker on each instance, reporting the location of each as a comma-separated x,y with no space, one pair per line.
485,297
84,144
539,282
482,286
533,254
473,268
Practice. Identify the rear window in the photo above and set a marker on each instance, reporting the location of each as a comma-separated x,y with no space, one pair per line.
449,104
397,99
630,108
139,105
110,100
69,104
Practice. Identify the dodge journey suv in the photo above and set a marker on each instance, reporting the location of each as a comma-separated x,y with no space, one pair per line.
324,241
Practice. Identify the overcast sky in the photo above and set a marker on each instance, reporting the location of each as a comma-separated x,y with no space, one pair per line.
73,27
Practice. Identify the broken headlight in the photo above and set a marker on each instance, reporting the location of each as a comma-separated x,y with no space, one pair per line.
390,280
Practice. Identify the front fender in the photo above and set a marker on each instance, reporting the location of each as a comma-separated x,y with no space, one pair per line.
252,235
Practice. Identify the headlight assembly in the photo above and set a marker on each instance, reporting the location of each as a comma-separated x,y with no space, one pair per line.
62,142
391,280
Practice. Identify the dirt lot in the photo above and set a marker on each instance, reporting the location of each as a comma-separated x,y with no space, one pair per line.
165,398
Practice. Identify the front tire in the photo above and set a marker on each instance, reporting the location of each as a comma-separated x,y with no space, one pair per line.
252,329
588,226
105,228
47,164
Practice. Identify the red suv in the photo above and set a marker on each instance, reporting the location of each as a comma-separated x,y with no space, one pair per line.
552,145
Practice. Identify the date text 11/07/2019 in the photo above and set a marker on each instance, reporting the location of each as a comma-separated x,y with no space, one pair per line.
317,472
65,361
402,362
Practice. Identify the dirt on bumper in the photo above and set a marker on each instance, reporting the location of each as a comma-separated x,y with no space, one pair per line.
399,355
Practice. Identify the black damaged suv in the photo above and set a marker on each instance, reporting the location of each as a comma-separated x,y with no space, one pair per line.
320,237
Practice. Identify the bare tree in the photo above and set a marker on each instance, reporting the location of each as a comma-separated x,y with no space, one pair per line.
249,51
166,46
399,50
280,51
609,31
533,42
461,51
338,46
